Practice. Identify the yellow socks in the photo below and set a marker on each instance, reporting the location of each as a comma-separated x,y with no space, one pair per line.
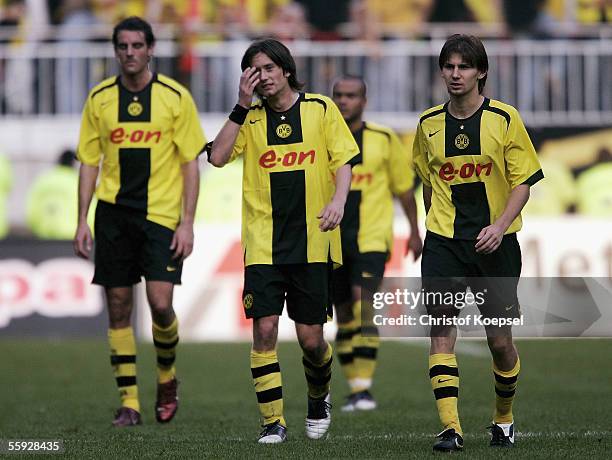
444,376
165,340
123,360
505,386
268,386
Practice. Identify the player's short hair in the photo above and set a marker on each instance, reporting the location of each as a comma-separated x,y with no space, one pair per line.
471,50
135,24
278,53
357,78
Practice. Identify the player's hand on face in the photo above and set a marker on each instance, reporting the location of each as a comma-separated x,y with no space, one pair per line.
248,81
83,241
182,242
330,216
414,245
489,239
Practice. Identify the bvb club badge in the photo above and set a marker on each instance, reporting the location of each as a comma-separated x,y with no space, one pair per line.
248,301
135,108
283,131
462,141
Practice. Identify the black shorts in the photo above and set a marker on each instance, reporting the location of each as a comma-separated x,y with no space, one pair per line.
450,265
305,287
128,246
355,267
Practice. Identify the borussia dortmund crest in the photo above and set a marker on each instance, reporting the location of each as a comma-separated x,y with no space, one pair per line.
462,141
248,301
134,109
283,131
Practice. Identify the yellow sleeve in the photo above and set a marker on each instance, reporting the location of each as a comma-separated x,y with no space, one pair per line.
341,145
239,145
419,159
89,149
522,164
401,174
188,134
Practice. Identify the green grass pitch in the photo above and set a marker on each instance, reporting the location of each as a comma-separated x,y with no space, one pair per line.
65,390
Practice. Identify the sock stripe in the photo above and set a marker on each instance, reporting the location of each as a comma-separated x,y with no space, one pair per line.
446,392
270,395
260,371
504,394
346,334
346,358
505,380
122,359
165,345
319,381
365,352
369,331
440,369
320,368
166,362
126,381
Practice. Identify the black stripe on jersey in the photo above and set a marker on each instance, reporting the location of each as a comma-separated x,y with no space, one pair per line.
472,212
349,226
432,114
380,131
505,380
264,370
266,396
457,131
497,110
126,381
314,99
535,177
289,232
134,172
110,85
446,392
122,359
440,369
155,80
129,101
358,136
284,128
166,345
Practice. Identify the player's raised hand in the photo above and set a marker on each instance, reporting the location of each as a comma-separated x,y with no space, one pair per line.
489,239
248,81
182,241
83,240
330,216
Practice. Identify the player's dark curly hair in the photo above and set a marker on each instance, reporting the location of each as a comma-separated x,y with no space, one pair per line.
472,51
278,53
136,24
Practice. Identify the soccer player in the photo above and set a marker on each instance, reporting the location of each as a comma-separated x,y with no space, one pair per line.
298,154
384,171
477,164
144,129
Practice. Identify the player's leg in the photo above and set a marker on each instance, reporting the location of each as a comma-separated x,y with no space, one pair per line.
263,300
165,339
308,304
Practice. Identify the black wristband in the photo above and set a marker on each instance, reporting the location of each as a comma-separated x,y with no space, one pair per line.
239,114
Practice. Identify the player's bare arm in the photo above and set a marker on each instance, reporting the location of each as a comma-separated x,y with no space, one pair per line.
83,240
182,242
221,149
490,237
427,197
331,215
414,244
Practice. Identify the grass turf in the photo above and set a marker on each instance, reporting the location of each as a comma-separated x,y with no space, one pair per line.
65,390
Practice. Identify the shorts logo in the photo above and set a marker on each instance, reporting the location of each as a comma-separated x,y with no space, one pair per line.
135,109
170,268
248,301
462,141
283,131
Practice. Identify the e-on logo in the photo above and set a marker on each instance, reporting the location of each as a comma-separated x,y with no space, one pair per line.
134,109
462,141
283,131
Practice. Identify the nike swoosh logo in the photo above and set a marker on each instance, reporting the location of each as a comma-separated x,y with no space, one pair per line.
170,268
509,308
254,121
434,133
442,381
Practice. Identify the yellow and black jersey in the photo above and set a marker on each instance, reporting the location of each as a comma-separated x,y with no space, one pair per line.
384,170
472,165
290,159
142,139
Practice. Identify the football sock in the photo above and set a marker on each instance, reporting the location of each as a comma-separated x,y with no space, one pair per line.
444,376
123,361
365,351
344,349
505,386
268,386
318,375
165,340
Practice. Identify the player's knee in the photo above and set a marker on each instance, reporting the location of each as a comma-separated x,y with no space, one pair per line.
313,346
501,346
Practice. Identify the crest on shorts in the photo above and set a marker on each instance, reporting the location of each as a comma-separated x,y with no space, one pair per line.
134,109
284,131
247,301
462,141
